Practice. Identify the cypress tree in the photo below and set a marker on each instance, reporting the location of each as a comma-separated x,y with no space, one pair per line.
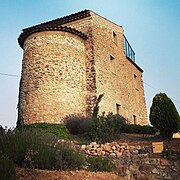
164,116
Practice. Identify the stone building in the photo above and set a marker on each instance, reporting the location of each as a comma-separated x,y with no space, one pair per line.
68,62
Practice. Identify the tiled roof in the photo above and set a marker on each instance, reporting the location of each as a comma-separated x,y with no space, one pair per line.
55,25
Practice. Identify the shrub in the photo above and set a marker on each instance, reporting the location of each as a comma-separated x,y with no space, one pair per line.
68,159
77,124
139,129
32,147
105,128
59,130
164,116
100,164
16,144
7,168
2,131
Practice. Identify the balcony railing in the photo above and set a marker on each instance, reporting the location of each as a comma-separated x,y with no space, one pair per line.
128,50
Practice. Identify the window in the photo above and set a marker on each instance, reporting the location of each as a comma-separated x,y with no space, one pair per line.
135,82
111,58
134,119
115,37
118,109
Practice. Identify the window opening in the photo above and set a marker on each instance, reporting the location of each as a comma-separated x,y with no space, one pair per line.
111,58
115,37
118,108
134,119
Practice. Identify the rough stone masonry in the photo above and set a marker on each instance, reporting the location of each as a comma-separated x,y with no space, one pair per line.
68,62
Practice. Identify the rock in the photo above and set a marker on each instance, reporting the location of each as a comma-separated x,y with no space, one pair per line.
155,171
119,154
112,155
103,153
83,147
107,148
131,148
134,169
93,152
164,162
124,144
142,177
113,143
99,151
88,152
126,153
143,155
117,145
107,153
122,147
88,147
174,168
116,152
135,152
138,147
146,169
102,145
153,161
93,143
165,175
113,147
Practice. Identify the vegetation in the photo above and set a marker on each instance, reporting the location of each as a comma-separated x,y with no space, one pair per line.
69,159
96,107
7,168
100,164
138,129
77,124
30,147
2,131
104,128
164,116
59,130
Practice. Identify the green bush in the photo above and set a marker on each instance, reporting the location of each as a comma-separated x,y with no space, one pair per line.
77,124
59,130
34,148
16,144
2,131
139,129
105,128
7,168
100,129
100,164
68,159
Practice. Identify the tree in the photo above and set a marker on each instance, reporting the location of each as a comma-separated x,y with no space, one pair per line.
96,107
164,116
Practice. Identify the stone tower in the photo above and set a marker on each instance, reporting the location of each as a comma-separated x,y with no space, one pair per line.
69,61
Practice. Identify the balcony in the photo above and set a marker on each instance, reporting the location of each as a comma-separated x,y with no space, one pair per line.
129,52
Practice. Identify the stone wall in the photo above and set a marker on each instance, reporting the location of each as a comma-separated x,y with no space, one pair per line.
134,161
117,77
53,81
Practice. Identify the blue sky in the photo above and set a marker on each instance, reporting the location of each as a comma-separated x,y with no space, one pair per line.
151,26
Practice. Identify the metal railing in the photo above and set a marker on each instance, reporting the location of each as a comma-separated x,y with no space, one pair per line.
129,52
